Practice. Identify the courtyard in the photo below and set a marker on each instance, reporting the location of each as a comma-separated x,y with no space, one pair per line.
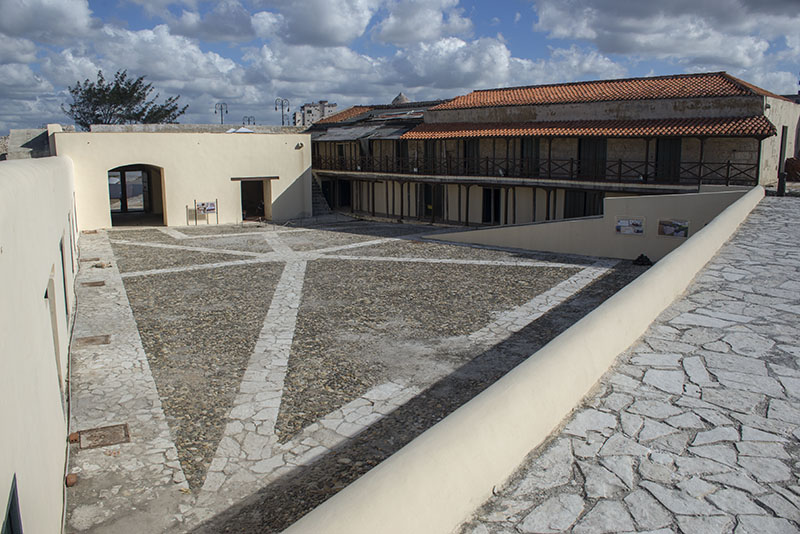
261,369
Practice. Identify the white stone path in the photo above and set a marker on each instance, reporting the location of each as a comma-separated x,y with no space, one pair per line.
697,428
249,455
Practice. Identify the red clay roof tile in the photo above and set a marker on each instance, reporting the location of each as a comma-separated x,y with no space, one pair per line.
714,84
343,115
757,126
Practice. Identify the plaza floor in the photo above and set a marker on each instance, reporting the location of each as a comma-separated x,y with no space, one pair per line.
261,369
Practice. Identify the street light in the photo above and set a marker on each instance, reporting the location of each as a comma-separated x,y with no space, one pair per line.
248,119
222,107
282,101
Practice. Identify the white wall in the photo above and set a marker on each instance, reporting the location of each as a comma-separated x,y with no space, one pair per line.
597,236
36,203
195,166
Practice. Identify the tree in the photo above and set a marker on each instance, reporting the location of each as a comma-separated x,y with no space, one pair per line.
123,101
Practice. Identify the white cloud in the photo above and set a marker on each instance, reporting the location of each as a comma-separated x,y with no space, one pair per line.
267,25
227,21
325,22
15,50
414,21
45,20
20,82
729,34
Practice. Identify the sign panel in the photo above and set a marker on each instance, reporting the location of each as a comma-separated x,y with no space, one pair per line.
673,228
206,207
630,226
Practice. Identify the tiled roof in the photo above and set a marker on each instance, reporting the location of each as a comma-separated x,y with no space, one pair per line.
758,126
714,84
343,115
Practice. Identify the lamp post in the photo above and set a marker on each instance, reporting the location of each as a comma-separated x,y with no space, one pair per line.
282,101
222,107
248,119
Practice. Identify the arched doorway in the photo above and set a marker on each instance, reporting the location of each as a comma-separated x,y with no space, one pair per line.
136,195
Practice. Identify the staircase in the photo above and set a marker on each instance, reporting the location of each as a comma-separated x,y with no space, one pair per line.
319,206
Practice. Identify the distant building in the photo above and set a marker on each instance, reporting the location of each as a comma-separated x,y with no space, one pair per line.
311,113
538,153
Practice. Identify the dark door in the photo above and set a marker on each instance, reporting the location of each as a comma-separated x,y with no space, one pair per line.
252,199
529,158
471,156
592,158
668,159
402,156
491,206
430,156
582,203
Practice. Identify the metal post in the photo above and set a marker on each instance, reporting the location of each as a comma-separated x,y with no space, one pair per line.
401,202
222,107
466,215
216,208
195,212
281,102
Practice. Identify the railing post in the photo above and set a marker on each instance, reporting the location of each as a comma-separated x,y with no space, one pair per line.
571,168
619,170
728,173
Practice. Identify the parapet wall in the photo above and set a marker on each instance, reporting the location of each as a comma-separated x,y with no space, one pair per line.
38,262
435,482
616,233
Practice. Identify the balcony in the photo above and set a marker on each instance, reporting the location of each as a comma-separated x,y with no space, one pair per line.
605,171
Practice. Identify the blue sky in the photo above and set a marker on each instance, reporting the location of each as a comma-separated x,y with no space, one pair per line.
248,52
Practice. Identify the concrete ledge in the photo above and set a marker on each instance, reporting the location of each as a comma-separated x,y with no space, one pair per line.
435,482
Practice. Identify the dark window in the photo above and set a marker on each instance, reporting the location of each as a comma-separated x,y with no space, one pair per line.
668,159
592,158
491,205
64,280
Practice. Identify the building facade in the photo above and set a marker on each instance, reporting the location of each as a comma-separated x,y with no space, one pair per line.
536,153
310,113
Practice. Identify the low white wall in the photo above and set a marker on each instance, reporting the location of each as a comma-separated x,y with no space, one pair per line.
36,216
195,167
597,236
435,482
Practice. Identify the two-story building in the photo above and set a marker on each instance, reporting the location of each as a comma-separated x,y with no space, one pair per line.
522,154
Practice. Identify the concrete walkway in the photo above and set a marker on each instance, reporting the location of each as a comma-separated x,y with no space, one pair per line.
697,427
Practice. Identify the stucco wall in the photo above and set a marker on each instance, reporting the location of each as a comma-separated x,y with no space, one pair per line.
195,166
35,218
597,236
780,113
738,106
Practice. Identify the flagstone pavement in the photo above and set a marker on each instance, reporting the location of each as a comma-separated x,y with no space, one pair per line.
697,427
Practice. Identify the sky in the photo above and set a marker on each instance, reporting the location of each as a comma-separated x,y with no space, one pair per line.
247,53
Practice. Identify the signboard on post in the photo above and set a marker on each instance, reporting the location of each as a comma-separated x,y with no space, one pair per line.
206,207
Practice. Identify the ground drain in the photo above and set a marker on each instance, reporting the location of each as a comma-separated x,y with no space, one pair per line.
104,436
99,283
91,340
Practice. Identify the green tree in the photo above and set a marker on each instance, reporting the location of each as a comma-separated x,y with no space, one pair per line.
123,101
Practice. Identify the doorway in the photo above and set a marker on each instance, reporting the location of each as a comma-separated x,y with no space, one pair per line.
491,206
136,195
256,200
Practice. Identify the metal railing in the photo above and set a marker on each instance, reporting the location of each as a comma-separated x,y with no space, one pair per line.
619,171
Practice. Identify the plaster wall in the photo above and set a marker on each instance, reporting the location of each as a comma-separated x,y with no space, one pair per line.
36,217
435,482
195,167
734,106
781,113
597,236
